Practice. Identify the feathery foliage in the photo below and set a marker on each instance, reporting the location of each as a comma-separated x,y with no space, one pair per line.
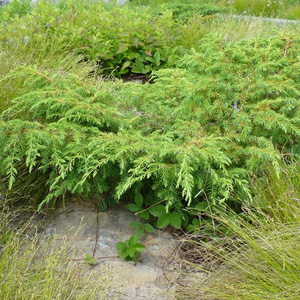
201,130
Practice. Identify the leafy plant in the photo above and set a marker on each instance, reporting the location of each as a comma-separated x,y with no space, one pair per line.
137,207
130,249
194,227
200,131
126,41
90,260
141,228
165,218
265,7
183,10
13,9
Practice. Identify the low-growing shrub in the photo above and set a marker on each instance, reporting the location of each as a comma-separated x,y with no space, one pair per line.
200,131
15,57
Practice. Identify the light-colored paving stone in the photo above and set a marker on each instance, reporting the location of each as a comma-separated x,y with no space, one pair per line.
144,280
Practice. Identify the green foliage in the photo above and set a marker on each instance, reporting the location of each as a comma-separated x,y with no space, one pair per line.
278,195
293,12
130,249
270,8
15,8
142,228
165,218
265,7
194,227
200,131
124,41
137,207
183,10
90,260
262,259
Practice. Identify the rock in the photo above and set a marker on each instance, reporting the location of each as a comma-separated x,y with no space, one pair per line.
119,2
144,280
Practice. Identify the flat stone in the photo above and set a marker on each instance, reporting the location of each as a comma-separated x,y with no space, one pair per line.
145,279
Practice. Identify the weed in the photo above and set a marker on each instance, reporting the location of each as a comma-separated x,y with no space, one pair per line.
130,249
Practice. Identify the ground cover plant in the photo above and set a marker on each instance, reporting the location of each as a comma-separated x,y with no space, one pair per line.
221,107
161,139
204,128
261,259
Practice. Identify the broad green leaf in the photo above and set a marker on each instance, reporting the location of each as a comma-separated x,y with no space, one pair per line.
138,66
136,70
131,252
133,207
149,228
123,254
196,222
138,199
190,228
88,257
149,58
121,246
139,247
145,215
146,69
202,206
136,224
126,64
125,71
157,57
175,220
157,211
133,240
133,55
122,48
140,231
163,221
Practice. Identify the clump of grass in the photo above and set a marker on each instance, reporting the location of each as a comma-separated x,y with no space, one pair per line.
231,28
29,270
293,12
257,7
261,259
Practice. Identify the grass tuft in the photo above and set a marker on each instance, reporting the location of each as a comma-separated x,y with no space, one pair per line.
33,270
261,260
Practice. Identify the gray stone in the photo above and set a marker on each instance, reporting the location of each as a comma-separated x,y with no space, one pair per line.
144,280
119,2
